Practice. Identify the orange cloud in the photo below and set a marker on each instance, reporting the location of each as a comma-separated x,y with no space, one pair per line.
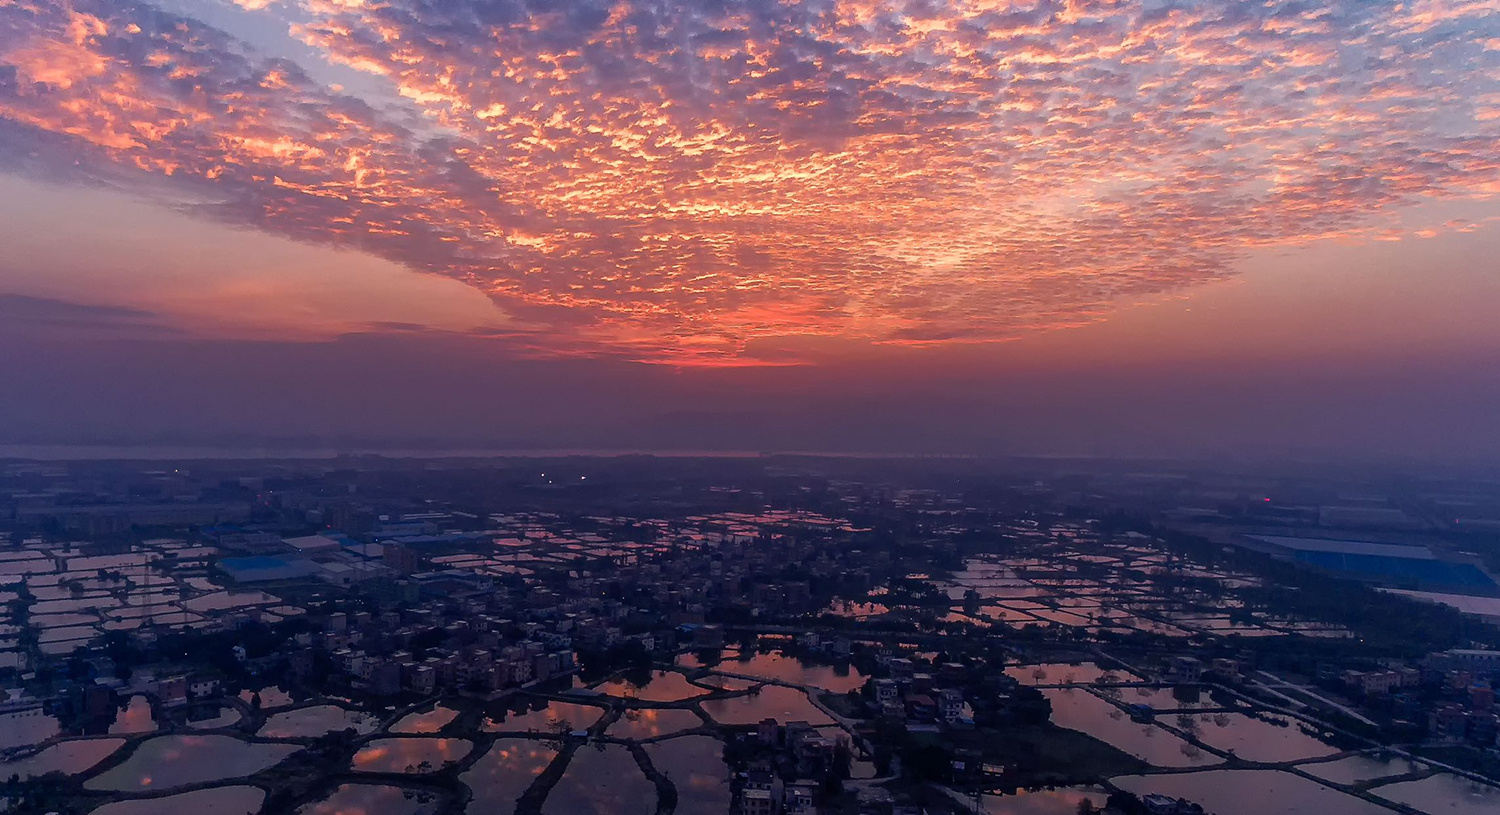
670,181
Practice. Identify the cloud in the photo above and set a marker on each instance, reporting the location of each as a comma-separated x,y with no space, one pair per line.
22,313
672,180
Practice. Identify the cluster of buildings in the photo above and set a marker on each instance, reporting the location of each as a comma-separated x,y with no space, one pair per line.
1465,710
1378,682
495,655
806,755
406,596
922,700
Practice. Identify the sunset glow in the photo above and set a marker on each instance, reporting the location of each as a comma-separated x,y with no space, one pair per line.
669,181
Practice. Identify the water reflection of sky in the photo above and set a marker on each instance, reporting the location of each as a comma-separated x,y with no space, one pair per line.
426,722
603,781
1443,792
31,728
221,717
372,799
773,702
502,775
317,720
70,757
695,764
1077,709
556,716
663,686
174,761
134,718
270,697
1251,792
1357,769
1252,738
1063,801
398,755
645,723
787,668
240,800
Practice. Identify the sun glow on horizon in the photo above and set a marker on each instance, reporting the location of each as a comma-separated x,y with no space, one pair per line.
672,181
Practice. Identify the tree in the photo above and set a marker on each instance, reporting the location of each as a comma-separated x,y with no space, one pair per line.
838,771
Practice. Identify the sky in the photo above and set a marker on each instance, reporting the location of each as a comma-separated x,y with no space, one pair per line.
1079,227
